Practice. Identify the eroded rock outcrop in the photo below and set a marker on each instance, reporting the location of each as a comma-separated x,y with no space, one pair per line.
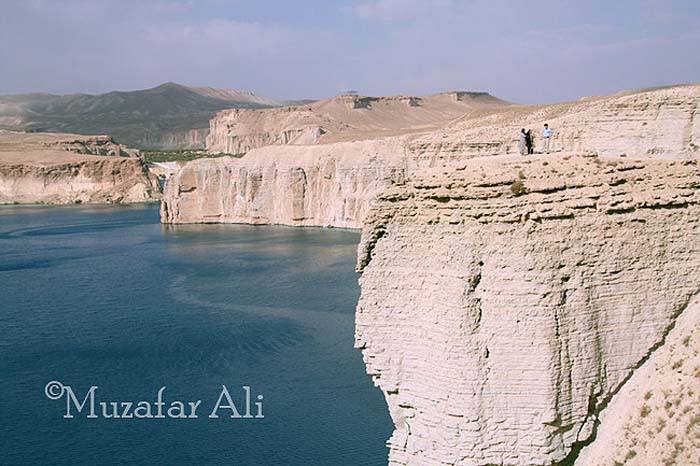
512,307
506,302
308,187
177,140
646,124
61,169
343,118
655,418
654,123
91,145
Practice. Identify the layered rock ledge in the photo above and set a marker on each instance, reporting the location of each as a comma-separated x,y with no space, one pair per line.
507,305
342,118
309,186
332,183
56,168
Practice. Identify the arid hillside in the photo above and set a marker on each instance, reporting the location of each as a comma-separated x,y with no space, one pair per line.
342,118
169,116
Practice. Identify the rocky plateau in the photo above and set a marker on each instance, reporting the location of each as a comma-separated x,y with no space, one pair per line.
331,181
56,168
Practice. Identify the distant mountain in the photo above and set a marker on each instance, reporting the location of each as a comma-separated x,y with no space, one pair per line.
231,95
165,117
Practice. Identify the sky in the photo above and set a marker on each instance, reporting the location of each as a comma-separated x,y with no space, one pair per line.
523,51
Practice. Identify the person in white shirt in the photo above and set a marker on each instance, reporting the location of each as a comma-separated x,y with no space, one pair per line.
547,133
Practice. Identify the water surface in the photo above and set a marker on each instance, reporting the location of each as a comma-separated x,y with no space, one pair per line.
106,296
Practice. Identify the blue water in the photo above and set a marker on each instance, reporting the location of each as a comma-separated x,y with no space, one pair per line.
107,296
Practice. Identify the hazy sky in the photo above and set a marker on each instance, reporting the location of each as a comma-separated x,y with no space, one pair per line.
524,51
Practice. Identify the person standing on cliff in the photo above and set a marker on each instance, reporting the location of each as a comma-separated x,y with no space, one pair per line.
547,133
523,142
530,142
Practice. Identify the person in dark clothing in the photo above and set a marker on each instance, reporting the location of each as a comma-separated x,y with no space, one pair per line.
529,142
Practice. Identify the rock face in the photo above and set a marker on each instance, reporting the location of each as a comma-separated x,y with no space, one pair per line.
92,145
507,302
343,118
60,169
655,417
515,310
177,140
648,123
239,131
257,188
307,187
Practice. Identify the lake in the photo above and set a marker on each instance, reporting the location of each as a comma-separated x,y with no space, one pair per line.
106,296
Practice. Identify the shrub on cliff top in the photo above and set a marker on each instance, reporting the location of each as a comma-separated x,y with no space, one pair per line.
518,188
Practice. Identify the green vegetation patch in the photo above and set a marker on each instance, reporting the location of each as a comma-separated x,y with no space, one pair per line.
518,188
183,155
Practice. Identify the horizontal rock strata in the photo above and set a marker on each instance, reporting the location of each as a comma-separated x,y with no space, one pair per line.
646,124
176,140
307,187
103,180
506,302
649,123
92,145
342,118
61,169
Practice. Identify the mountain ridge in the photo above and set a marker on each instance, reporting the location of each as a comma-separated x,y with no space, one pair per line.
168,116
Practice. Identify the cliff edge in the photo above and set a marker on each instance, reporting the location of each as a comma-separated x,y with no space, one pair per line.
509,306
55,168
327,183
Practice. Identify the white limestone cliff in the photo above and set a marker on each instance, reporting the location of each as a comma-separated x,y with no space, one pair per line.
655,418
508,303
536,310
307,187
176,140
654,123
658,123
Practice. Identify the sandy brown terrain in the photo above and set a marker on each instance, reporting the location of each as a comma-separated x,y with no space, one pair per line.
169,116
342,118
